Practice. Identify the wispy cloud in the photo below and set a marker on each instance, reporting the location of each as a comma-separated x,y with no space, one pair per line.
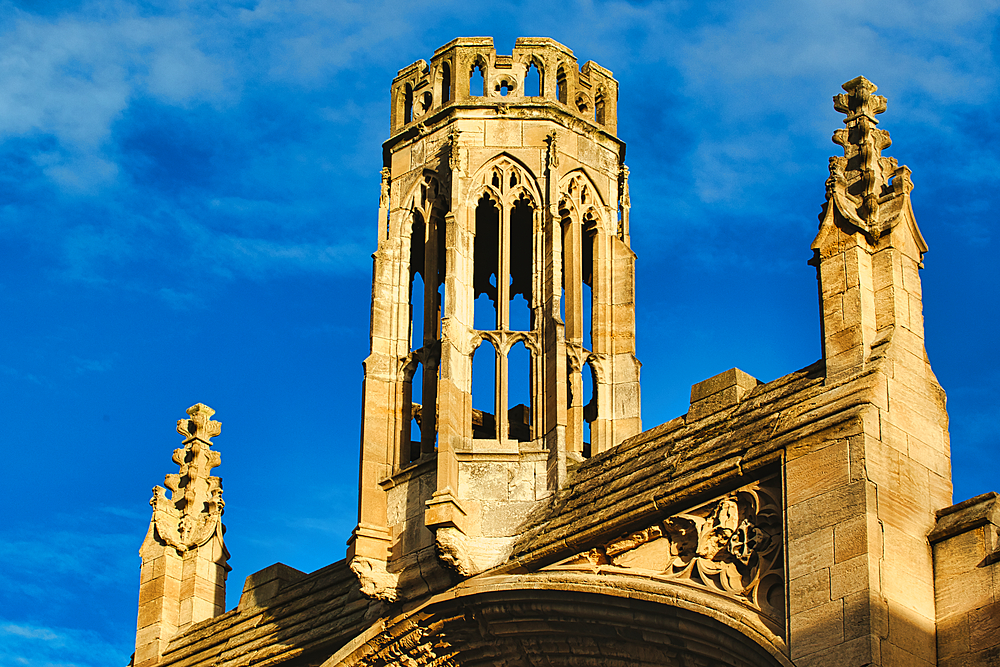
17,374
26,645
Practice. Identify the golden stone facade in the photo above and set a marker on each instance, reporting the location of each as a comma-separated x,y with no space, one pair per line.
802,522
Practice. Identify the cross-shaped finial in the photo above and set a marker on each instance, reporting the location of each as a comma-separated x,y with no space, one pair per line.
860,100
200,424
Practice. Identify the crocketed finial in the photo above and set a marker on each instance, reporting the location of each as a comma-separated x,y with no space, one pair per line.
193,512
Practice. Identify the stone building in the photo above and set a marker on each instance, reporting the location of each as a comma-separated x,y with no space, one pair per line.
805,521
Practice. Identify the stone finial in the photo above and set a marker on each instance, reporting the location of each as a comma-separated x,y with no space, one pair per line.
868,189
199,424
193,512
184,558
868,247
863,165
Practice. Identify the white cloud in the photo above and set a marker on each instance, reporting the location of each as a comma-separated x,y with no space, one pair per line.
30,645
71,78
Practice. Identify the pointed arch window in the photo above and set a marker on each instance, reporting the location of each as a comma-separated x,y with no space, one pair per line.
445,82
533,80
407,103
428,206
477,77
504,258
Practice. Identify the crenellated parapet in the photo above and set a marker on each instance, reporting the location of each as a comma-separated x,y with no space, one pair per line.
423,92
184,558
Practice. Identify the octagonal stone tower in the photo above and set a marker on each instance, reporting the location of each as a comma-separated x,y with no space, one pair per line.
503,247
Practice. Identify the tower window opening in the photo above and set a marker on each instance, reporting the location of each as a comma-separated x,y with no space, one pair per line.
589,382
521,265
599,108
587,275
441,267
583,105
417,286
562,88
407,103
484,363
415,390
445,83
476,83
426,100
533,81
485,264
505,87
519,393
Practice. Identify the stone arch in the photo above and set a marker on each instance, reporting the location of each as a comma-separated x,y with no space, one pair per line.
522,337
571,621
478,64
407,103
579,193
483,178
445,85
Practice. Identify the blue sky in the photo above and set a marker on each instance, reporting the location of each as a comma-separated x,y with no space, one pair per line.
188,201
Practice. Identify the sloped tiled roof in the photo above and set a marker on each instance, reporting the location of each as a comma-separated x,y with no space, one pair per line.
321,612
660,469
654,473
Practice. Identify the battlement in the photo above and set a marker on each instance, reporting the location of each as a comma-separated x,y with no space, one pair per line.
468,72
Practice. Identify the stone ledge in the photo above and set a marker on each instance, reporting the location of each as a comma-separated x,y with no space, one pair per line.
263,586
966,515
720,392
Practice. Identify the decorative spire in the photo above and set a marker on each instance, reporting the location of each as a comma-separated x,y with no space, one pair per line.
193,512
864,185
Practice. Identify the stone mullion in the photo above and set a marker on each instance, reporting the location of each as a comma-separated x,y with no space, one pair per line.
402,342
573,282
503,322
553,338
454,384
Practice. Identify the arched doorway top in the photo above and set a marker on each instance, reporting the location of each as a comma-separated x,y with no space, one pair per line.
573,620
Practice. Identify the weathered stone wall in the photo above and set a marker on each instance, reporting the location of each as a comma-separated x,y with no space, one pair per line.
967,582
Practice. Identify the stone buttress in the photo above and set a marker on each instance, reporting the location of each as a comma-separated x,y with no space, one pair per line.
862,492
503,246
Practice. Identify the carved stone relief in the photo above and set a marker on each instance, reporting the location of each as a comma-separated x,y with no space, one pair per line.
732,545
